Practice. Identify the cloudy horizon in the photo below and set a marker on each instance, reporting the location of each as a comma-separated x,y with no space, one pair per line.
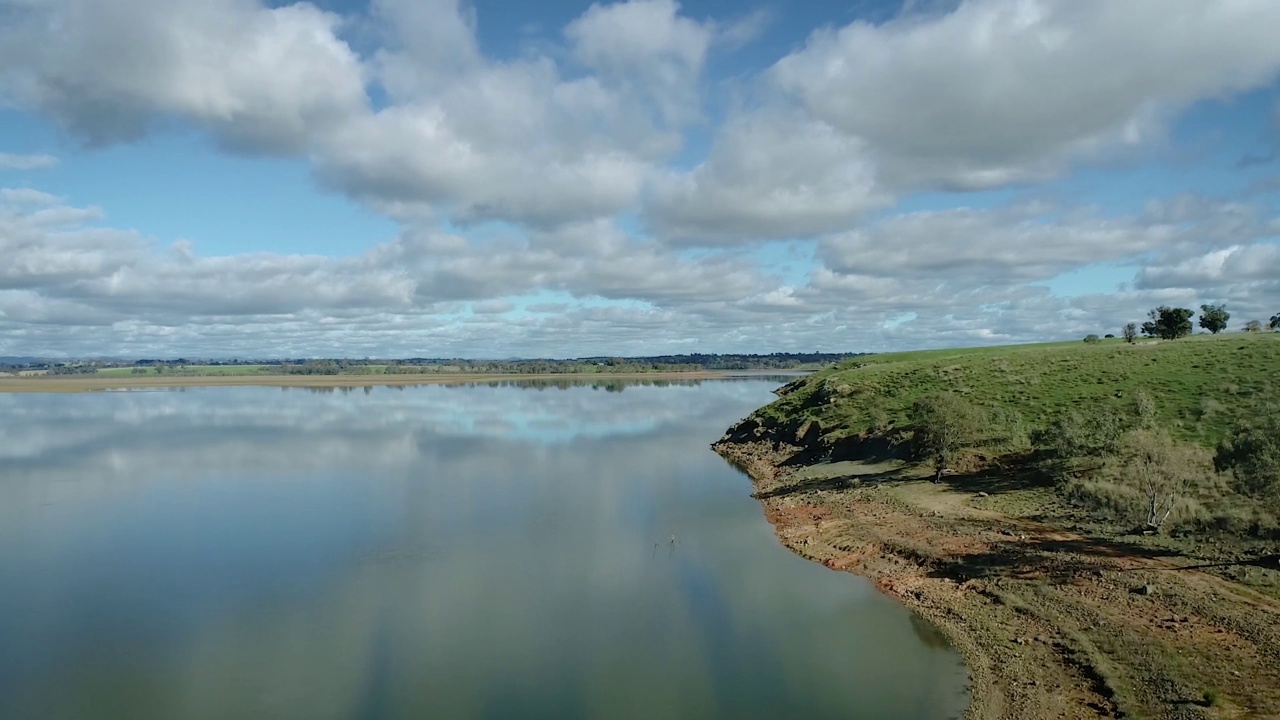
443,178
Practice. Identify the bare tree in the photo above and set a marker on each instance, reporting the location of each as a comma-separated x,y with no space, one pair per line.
1162,471
1130,332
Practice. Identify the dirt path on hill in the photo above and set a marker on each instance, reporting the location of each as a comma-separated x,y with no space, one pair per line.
1052,623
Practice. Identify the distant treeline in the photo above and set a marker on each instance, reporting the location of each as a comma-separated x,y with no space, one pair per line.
422,365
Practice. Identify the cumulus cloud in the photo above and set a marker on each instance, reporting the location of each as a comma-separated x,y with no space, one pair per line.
260,79
767,176
65,270
524,140
988,94
461,135
573,144
72,285
982,272
1032,241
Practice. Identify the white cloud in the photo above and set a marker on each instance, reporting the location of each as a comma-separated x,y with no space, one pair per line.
1001,91
25,197
260,79
1017,244
648,47
989,94
521,140
9,161
767,176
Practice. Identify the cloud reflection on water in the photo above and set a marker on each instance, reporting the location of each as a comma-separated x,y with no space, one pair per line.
430,552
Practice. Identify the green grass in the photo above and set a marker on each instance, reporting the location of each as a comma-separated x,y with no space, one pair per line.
1201,385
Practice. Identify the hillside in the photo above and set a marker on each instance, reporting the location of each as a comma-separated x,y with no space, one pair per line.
1200,386
1031,554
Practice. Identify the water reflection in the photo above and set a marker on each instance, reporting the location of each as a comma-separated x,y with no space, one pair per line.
443,552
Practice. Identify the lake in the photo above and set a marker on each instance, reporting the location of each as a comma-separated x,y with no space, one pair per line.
443,552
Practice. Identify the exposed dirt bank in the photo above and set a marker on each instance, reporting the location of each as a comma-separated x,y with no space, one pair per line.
91,383
1052,623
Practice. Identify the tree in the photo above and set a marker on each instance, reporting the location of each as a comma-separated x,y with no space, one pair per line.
1130,332
1214,318
1078,444
1163,472
1275,322
1092,339
1253,326
1252,454
944,425
1168,323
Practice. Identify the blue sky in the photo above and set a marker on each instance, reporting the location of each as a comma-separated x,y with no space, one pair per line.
496,178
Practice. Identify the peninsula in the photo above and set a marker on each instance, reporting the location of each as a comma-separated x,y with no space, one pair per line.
1092,525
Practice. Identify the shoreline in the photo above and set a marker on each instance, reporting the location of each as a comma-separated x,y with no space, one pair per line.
766,474
92,383
1049,623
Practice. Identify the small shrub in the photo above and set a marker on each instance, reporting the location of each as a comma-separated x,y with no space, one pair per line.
1252,455
1079,444
1145,409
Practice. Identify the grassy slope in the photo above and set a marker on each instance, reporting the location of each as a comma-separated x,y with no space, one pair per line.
1200,385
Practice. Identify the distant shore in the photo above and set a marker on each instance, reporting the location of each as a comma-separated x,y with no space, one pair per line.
93,383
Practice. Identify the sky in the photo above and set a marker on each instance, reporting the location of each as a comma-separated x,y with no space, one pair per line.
499,178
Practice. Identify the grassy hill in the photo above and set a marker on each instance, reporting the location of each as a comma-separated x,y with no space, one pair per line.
1200,386
1104,528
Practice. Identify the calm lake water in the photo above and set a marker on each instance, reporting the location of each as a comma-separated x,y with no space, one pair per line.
427,552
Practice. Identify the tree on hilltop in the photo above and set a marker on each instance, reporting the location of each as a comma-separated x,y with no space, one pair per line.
1168,323
1253,326
1214,318
1275,322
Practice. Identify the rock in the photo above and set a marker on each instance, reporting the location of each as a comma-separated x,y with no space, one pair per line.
1145,589
982,494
